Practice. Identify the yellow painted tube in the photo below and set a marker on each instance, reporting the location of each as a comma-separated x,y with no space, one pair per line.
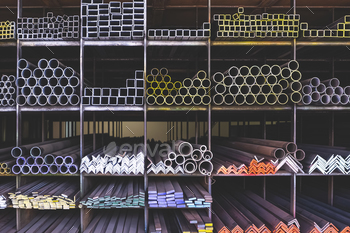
150,78
187,100
196,99
160,100
155,72
296,75
151,100
283,98
158,78
261,99
271,99
250,99
162,85
157,91
166,78
163,71
165,92
154,84
170,85
295,97
150,91
177,85
169,100
201,74
179,99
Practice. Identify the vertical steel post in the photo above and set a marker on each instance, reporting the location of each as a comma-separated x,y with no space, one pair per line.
196,128
330,190
43,126
331,133
209,106
264,188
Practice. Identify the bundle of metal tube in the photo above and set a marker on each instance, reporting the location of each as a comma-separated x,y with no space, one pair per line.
339,29
326,159
255,156
54,156
177,193
7,90
180,34
6,188
121,221
132,94
260,26
111,194
53,222
327,92
51,83
258,85
48,28
46,194
8,221
7,30
161,91
244,211
314,216
123,21
6,162
125,158
179,221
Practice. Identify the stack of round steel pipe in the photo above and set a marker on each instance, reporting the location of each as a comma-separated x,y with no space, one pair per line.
7,90
327,92
258,85
161,91
56,156
49,83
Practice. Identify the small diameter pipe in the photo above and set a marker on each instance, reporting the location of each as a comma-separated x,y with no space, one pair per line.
321,88
73,169
43,82
21,161
307,90
275,70
37,91
218,99
187,82
163,71
196,99
234,89
325,99
333,82
172,155
23,63
160,100
206,100
48,73
233,71
168,162
39,160
16,169
49,159
207,155
284,83
205,167
38,73
239,80
250,99
74,81
34,169
59,160
306,100
266,89
25,170
54,63
271,99
197,155
169,100
347,90
43,64
249,80
31,82
271,79
254,70
240,99
261,99
260,80
178,100
206,83
53,169
21,100
282,98
296,75
335,99
32,100
68,90
295,86
193,91
315,96
286,73
69,72
63,169
220,88
68,160
338,90
244,71
190,166
265,70
295,97
277,88
244,89
228,81
74,100
299,155
151,100
329,91
155,72
313,82
187,100
201,74
44,169
229,99
180,159
20,82
63,100
293,65
201,91
344,99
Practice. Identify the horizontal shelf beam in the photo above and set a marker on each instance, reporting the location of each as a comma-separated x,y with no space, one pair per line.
177,108
176,43
113,43
113,108
54,43
251,108
50,108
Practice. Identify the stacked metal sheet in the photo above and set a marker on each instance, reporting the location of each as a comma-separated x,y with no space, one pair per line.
45,194
7,90
180,34
6,188
8,221
256,156
121,221
48,28
162,91
6,161
54,156
132,94
7,30
258,85
113,20
53,221
327,92
48,83
259,26
340,29
326,159
165,193
111,194
314,215
114,161
244,211
179,221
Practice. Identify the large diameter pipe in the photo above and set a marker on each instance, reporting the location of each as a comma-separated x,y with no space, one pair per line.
306,100
205,167
23,64
313,82
290,147
184,148
333,82
180,159
190,166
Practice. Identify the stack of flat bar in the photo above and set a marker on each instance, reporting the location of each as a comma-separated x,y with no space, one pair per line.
165,193
8,221
6,188
45,194
111,194
121,221
179,221
244,211
53,222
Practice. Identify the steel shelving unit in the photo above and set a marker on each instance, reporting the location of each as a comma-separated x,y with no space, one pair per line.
207,115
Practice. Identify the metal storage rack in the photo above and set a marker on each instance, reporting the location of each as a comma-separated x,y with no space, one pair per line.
204,112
